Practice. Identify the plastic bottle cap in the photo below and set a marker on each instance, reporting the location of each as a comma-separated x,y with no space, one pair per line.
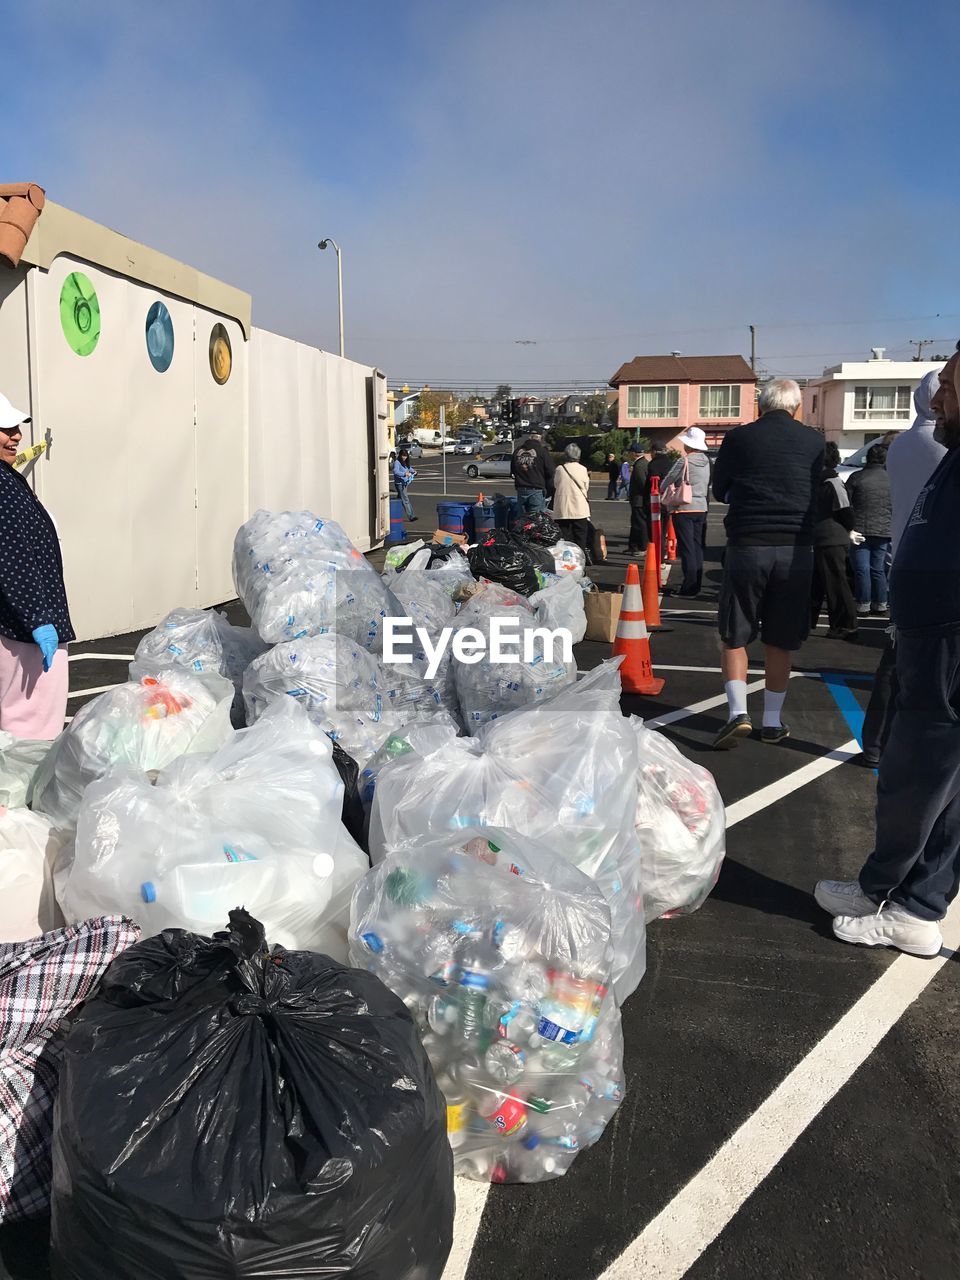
148,891
530,1141
372,942
323,866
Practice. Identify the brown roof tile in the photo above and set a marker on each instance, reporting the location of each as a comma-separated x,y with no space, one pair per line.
684,369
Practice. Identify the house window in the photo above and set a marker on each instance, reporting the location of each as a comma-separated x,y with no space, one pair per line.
653,402
720,402
890,403
816,401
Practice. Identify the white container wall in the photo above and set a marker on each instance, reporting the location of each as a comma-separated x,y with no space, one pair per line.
149,474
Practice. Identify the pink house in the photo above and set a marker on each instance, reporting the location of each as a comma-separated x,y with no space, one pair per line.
660,396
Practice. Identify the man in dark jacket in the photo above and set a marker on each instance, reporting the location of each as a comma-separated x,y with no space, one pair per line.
613,476
869,492
532,469
34,621
639,524
832,536
768,472
913,874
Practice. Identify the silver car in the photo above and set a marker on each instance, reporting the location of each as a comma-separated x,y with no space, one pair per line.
496,466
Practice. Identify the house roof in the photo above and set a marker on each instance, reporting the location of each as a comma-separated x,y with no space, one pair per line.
684,369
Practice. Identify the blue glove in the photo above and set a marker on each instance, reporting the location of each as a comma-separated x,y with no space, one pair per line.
48,642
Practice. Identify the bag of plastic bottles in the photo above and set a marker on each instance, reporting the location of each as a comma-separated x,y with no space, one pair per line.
425,600
299,575
28,849
20,758
681,826
256,823
563,772
502,557
560,604
229,1110
569,558
145,724
452,563
42,981
489,688
200,640
501,951
538,527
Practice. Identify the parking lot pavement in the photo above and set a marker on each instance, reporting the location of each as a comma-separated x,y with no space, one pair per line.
792,1104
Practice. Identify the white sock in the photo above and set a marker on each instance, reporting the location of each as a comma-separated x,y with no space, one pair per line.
772,705
736,691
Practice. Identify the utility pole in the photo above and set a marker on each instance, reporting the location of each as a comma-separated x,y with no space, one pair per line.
920,343
753,347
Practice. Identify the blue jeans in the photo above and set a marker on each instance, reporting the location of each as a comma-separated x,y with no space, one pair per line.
530,500
870,570
402,495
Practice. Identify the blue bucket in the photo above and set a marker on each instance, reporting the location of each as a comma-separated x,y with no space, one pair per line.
454,517
484,516
397,532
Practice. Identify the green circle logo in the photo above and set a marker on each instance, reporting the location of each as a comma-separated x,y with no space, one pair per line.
80,313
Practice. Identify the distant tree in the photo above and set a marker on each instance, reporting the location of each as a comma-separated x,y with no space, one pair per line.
426,415
615,441
503,392
459,413
594,408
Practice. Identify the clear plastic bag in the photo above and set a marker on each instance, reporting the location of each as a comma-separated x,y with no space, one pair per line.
563,772
343,689
256,823
299,575
501,951
681,826
20,758
560,604
145,724
425,600
569,558
28,850
200,640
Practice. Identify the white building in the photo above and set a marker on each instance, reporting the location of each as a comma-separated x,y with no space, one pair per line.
860,400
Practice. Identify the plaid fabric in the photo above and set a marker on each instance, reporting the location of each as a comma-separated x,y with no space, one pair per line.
42,981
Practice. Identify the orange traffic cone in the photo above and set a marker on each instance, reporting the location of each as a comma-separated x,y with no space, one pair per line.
636,671
671,541
651,587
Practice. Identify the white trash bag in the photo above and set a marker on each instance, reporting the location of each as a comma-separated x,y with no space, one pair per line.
299,575
569,558
200,640
254,824
28,850
501,951
562,771
343,689
144,724
560,604
20,758
681,826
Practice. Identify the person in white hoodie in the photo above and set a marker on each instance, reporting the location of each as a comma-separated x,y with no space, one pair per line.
912,458
571,500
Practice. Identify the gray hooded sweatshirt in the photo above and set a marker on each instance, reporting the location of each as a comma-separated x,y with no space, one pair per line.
913,457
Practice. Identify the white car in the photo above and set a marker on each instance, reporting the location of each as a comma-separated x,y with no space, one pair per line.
855,461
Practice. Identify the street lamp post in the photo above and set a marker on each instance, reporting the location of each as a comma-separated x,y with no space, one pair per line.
322,245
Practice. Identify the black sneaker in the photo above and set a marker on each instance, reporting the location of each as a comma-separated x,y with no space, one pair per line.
738,727
774,734
869,757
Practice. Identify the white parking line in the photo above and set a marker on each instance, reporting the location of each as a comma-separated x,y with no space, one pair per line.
101,657
100,688
768,795
695,708
670,1244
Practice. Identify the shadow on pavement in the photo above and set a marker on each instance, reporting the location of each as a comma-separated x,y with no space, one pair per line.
745,887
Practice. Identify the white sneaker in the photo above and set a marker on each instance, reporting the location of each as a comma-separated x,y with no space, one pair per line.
843,898
891,926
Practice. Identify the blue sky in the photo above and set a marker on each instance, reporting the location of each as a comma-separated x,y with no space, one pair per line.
599,180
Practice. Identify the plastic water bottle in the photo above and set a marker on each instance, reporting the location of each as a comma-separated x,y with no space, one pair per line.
474,985
505,1062
505,1114
531,1161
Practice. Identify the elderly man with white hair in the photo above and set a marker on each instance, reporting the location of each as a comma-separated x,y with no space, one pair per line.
768,472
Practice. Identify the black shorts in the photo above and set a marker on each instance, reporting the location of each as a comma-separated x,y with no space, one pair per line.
765,592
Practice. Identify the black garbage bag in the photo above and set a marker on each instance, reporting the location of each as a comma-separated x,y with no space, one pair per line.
352,814
503,557
227,1111
537,527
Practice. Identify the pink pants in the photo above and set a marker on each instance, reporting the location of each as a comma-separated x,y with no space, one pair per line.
33,702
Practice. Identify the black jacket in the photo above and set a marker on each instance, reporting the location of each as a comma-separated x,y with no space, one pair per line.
31,568
638,479
613,470
532,466
869,492
834,515
661,464
769,472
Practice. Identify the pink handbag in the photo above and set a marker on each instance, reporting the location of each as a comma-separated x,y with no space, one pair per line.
678,494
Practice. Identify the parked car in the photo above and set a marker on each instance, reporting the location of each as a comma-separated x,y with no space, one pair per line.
468,446
415,451
496,466
857,460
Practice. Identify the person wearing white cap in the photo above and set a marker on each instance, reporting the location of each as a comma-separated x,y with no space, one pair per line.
34,619
690,518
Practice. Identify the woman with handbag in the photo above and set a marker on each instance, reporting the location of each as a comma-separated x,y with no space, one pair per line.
690,511
571,501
